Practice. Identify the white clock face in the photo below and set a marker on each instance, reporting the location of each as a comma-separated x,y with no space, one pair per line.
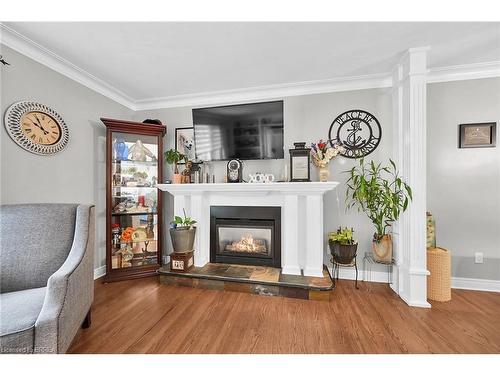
36,128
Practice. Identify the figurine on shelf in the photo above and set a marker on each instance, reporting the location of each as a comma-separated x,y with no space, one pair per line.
139,152
150,226
116,234
117,180
121,150
186,173
141,178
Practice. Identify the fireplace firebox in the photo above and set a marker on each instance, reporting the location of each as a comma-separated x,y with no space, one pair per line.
245,235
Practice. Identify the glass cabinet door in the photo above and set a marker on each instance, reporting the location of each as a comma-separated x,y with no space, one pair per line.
134,200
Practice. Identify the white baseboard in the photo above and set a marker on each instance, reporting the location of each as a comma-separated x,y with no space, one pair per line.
456,282
99,272
350,274
475,284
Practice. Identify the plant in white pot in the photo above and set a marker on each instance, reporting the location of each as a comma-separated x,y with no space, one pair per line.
379,192
182,233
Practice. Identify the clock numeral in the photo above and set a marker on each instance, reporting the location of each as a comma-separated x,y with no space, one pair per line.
40,140
28,130
43,117
53,126
52,137
33,136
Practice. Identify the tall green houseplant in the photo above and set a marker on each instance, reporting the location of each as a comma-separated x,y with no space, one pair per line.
383,196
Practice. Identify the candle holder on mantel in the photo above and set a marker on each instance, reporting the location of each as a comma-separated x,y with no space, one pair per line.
300,163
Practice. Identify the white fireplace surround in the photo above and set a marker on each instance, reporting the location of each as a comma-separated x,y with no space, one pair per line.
302,242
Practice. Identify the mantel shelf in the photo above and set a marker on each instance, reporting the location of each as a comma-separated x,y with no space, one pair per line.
274,187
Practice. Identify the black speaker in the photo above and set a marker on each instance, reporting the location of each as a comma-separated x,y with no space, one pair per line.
234,171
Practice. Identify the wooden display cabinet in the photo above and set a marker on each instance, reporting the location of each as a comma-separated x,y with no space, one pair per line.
134,166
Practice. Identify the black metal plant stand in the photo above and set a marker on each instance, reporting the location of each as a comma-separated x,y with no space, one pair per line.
336,268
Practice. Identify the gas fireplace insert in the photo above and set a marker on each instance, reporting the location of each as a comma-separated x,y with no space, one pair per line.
245,235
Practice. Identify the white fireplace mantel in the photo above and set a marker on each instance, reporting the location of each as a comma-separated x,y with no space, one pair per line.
301,216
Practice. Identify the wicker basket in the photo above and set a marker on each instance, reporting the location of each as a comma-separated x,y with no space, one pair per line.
439,281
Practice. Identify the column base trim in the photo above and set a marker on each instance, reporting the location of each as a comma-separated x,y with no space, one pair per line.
313,272
291,270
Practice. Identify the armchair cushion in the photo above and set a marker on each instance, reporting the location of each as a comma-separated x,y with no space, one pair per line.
35,240
18,313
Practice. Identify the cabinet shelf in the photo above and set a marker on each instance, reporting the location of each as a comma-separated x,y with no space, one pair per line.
132,213
117,248
135,187
151,163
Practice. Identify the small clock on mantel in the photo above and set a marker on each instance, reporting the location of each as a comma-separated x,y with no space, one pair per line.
36,128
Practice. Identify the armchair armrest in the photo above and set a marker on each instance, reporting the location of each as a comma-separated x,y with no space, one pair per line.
70,290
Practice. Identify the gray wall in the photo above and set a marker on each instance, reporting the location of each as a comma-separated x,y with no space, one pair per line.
307,118
76,174
463,185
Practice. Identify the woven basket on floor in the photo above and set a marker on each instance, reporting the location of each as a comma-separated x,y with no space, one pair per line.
439,281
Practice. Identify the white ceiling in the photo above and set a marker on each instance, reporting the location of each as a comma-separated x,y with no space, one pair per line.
152,60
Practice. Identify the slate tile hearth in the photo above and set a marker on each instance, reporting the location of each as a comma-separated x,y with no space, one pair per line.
250,279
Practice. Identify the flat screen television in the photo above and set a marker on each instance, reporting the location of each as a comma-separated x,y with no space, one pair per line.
246,131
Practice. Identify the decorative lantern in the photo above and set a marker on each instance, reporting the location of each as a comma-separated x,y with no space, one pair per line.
300,163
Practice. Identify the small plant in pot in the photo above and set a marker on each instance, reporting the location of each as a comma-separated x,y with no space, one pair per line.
173,157
379,192
342,245
182,233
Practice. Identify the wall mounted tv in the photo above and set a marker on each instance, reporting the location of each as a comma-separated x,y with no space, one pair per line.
246,131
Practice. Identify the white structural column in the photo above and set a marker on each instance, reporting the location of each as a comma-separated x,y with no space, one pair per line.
409,117
201,211
314,235
290,221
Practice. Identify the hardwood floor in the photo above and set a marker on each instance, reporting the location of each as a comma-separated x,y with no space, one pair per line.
143,316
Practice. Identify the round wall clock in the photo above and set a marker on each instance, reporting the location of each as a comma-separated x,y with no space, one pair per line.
36,128
358,131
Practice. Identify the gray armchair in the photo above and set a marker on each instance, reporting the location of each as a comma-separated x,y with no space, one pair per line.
46,279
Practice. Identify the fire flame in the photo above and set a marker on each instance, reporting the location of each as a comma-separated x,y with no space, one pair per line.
248,244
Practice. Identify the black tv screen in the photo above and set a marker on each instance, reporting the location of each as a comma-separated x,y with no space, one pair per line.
245,131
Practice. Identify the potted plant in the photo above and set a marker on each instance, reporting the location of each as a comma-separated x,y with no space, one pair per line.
173,157
379,192
342,245
182,233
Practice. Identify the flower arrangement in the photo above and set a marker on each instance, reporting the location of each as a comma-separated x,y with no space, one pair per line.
322,153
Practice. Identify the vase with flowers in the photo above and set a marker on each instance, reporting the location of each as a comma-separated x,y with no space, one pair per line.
321,154
126,242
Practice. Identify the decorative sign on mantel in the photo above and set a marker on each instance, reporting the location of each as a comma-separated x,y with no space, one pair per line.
358,131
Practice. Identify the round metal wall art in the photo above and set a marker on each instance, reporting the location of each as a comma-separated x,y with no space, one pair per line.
13,118
358,131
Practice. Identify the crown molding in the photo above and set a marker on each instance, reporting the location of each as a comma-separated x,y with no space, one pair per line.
267,92
42,55
39,53
464,72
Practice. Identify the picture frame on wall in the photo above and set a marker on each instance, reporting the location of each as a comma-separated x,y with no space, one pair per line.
184,142
477,135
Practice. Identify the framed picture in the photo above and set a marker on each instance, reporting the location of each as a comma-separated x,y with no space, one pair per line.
477,135
184,142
